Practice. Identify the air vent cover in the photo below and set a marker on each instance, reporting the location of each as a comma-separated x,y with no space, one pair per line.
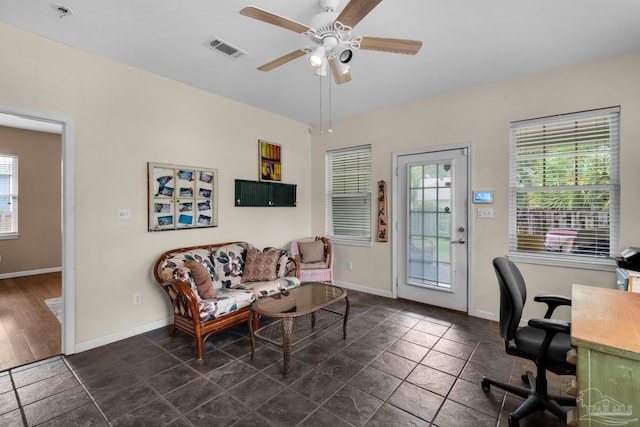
225,48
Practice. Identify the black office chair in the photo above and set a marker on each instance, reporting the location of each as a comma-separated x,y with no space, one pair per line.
544,341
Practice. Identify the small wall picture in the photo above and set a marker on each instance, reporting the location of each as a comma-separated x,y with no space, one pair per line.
270,161
181,197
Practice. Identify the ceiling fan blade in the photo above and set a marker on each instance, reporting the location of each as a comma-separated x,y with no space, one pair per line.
272,18
339,78
282,60
355,10
407,47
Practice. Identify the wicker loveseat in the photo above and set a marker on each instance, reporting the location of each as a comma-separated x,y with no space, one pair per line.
212,287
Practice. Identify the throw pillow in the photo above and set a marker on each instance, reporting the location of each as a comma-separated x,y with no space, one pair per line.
202,278
311,251
260,266
282,261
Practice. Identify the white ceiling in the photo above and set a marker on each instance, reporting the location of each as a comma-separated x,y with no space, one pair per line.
466,43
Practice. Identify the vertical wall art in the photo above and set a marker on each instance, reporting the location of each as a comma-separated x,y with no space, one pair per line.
382,211
181,197
270,161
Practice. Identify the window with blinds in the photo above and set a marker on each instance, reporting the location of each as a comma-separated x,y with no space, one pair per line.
564,187
348,195
8,195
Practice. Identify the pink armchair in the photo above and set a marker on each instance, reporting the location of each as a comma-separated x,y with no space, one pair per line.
315,255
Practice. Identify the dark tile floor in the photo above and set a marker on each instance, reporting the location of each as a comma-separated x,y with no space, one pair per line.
402,364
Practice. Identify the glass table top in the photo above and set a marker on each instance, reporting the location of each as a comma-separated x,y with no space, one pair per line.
299,301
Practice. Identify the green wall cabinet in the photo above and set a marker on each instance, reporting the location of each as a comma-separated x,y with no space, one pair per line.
268,194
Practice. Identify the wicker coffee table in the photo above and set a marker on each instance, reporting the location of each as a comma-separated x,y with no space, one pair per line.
309,304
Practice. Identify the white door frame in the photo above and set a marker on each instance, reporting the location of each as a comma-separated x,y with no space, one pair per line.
395,209
68,344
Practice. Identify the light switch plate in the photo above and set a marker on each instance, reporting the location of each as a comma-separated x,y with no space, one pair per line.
124,213
484,212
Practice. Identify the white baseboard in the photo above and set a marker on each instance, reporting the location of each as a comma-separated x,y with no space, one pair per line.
360,288
30,272
387,294
486,315
128,333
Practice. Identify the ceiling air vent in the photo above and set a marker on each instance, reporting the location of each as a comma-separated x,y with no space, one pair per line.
225,48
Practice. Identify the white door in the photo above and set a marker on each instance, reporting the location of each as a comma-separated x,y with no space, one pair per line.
432,250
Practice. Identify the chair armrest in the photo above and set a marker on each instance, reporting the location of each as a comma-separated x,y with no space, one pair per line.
551,325
551,328
183,300
553,302
293,268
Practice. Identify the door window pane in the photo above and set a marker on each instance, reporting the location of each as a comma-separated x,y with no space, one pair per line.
430,225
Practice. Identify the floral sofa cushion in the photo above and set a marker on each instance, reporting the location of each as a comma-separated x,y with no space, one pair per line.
263,289
226,301
228,262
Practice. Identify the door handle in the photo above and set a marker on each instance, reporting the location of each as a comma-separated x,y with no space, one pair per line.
460,241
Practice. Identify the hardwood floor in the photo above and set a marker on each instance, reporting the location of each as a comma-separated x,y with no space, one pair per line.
29,331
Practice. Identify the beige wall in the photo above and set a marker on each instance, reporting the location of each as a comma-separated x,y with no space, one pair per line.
39,161
481,116
124,118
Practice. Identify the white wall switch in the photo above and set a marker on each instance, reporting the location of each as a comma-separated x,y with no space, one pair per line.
484,212
124,213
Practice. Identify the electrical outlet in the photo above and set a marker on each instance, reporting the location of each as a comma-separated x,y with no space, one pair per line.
349,266
137,298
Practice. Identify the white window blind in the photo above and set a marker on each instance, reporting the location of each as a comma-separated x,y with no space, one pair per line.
564,188
348,195
8,195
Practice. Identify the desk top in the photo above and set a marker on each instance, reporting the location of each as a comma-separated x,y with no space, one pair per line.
606,319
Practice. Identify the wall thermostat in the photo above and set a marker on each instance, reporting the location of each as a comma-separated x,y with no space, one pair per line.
483,197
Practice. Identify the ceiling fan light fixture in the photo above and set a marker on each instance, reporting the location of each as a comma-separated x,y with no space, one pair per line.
321,71
317,56
345,56
343,68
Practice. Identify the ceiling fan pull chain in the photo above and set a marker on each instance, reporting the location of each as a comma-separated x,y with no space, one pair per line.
320,95
330,130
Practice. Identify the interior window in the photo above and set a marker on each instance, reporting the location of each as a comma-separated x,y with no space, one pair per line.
348,195
8,195
564,188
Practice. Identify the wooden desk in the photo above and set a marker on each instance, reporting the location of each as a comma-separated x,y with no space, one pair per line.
605,328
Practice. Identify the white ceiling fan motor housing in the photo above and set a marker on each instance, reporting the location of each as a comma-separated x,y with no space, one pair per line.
329,5
329,42
323,21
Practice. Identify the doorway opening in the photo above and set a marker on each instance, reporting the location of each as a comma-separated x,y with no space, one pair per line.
43,122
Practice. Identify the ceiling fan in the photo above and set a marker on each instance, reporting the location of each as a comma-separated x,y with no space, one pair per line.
330,36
